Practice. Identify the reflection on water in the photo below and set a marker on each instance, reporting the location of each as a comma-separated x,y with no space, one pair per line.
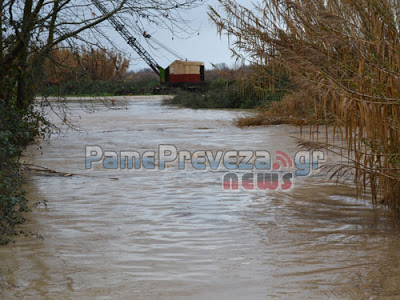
173,234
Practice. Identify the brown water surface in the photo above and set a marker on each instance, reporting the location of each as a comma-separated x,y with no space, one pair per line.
176,234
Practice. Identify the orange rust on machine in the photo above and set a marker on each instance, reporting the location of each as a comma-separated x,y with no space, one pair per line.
186,71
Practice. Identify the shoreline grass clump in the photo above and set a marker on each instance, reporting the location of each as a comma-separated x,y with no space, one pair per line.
343,60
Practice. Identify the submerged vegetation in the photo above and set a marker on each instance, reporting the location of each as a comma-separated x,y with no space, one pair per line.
343,60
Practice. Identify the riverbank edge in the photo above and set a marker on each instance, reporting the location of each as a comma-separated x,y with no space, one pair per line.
109,98
17,130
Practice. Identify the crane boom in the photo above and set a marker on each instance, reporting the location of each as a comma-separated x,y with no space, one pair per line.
131,40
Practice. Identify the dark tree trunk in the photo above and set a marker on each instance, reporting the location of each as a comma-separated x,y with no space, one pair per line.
23,97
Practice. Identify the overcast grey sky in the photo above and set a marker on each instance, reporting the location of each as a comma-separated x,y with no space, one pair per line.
204,45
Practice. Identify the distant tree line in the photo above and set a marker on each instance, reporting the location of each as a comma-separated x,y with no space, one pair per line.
84,63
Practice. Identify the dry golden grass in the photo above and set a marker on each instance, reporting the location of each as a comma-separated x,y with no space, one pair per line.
293,109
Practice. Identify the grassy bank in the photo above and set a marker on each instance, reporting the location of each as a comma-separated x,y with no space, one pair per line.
293,109
225,94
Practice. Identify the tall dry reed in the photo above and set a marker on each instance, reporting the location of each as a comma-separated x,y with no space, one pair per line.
343,57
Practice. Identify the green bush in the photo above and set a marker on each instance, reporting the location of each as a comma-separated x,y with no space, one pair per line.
16,130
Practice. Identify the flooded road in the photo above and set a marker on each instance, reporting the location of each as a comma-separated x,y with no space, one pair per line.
172,234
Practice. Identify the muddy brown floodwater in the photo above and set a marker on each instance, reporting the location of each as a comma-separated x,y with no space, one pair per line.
176,234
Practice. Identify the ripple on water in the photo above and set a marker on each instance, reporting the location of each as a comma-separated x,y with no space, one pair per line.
175,234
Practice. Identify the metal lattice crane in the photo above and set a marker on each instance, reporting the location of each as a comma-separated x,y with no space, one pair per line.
131,40
179,73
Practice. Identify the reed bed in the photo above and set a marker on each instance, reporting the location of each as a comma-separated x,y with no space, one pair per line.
343,59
